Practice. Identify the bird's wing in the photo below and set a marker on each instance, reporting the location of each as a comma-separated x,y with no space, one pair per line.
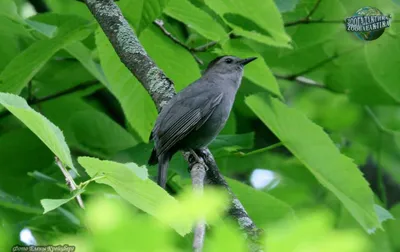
182,118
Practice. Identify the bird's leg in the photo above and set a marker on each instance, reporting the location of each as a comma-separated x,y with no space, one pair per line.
194,158
200,153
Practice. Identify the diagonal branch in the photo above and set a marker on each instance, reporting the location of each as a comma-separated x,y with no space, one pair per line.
198,174
160,88
317,3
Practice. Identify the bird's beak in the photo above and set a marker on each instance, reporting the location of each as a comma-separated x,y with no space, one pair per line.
246,61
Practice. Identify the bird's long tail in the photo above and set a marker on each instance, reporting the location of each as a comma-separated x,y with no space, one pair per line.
163,161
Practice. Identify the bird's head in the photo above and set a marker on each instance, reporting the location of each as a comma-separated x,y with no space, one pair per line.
228,65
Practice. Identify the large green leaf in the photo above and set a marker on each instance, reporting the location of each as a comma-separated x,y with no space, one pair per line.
47,23
263,208
24,66
310,144
141,13
9,9
393,228
144,194
50,134
15,203
354,74
386,49
327,10
259,20
286,5
46,82
97,132
51,204
195,18
138,107
177,63
257,71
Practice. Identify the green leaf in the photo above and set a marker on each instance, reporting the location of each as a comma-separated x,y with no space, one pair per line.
50,134
261,207
326,10
386,75
177,63
141,13
12,202
51,204
47,23
262,23
23,67
43,82
195,18
231,143
136,103
383,214
9,9
310,144
257,71
143,194
96,131
393,228
353,74
286,5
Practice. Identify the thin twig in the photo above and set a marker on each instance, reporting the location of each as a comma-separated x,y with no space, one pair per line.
316,5
160,24
198,173
70,181
307,19
36,101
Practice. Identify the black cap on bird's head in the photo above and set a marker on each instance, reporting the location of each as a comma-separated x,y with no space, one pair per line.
229,63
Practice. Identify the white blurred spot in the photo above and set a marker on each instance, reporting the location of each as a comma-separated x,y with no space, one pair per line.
27,10
261,178
26,237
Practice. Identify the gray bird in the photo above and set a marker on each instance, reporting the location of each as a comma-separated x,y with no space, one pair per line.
194,117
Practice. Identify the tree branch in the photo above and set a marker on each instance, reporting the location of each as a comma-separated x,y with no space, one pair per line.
160,88
198,174
301,80
237,210
70,182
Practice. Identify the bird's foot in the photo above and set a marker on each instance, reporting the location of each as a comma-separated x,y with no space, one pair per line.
195,158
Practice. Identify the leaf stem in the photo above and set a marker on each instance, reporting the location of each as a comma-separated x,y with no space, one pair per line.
70,181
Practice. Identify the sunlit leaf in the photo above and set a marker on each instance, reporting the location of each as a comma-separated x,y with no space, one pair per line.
263,23
316,151
143,194
195,18
50,134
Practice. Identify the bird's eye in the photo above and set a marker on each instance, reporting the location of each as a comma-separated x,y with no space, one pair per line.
229,60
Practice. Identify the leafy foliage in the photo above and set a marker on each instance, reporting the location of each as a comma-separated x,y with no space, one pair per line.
325,152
